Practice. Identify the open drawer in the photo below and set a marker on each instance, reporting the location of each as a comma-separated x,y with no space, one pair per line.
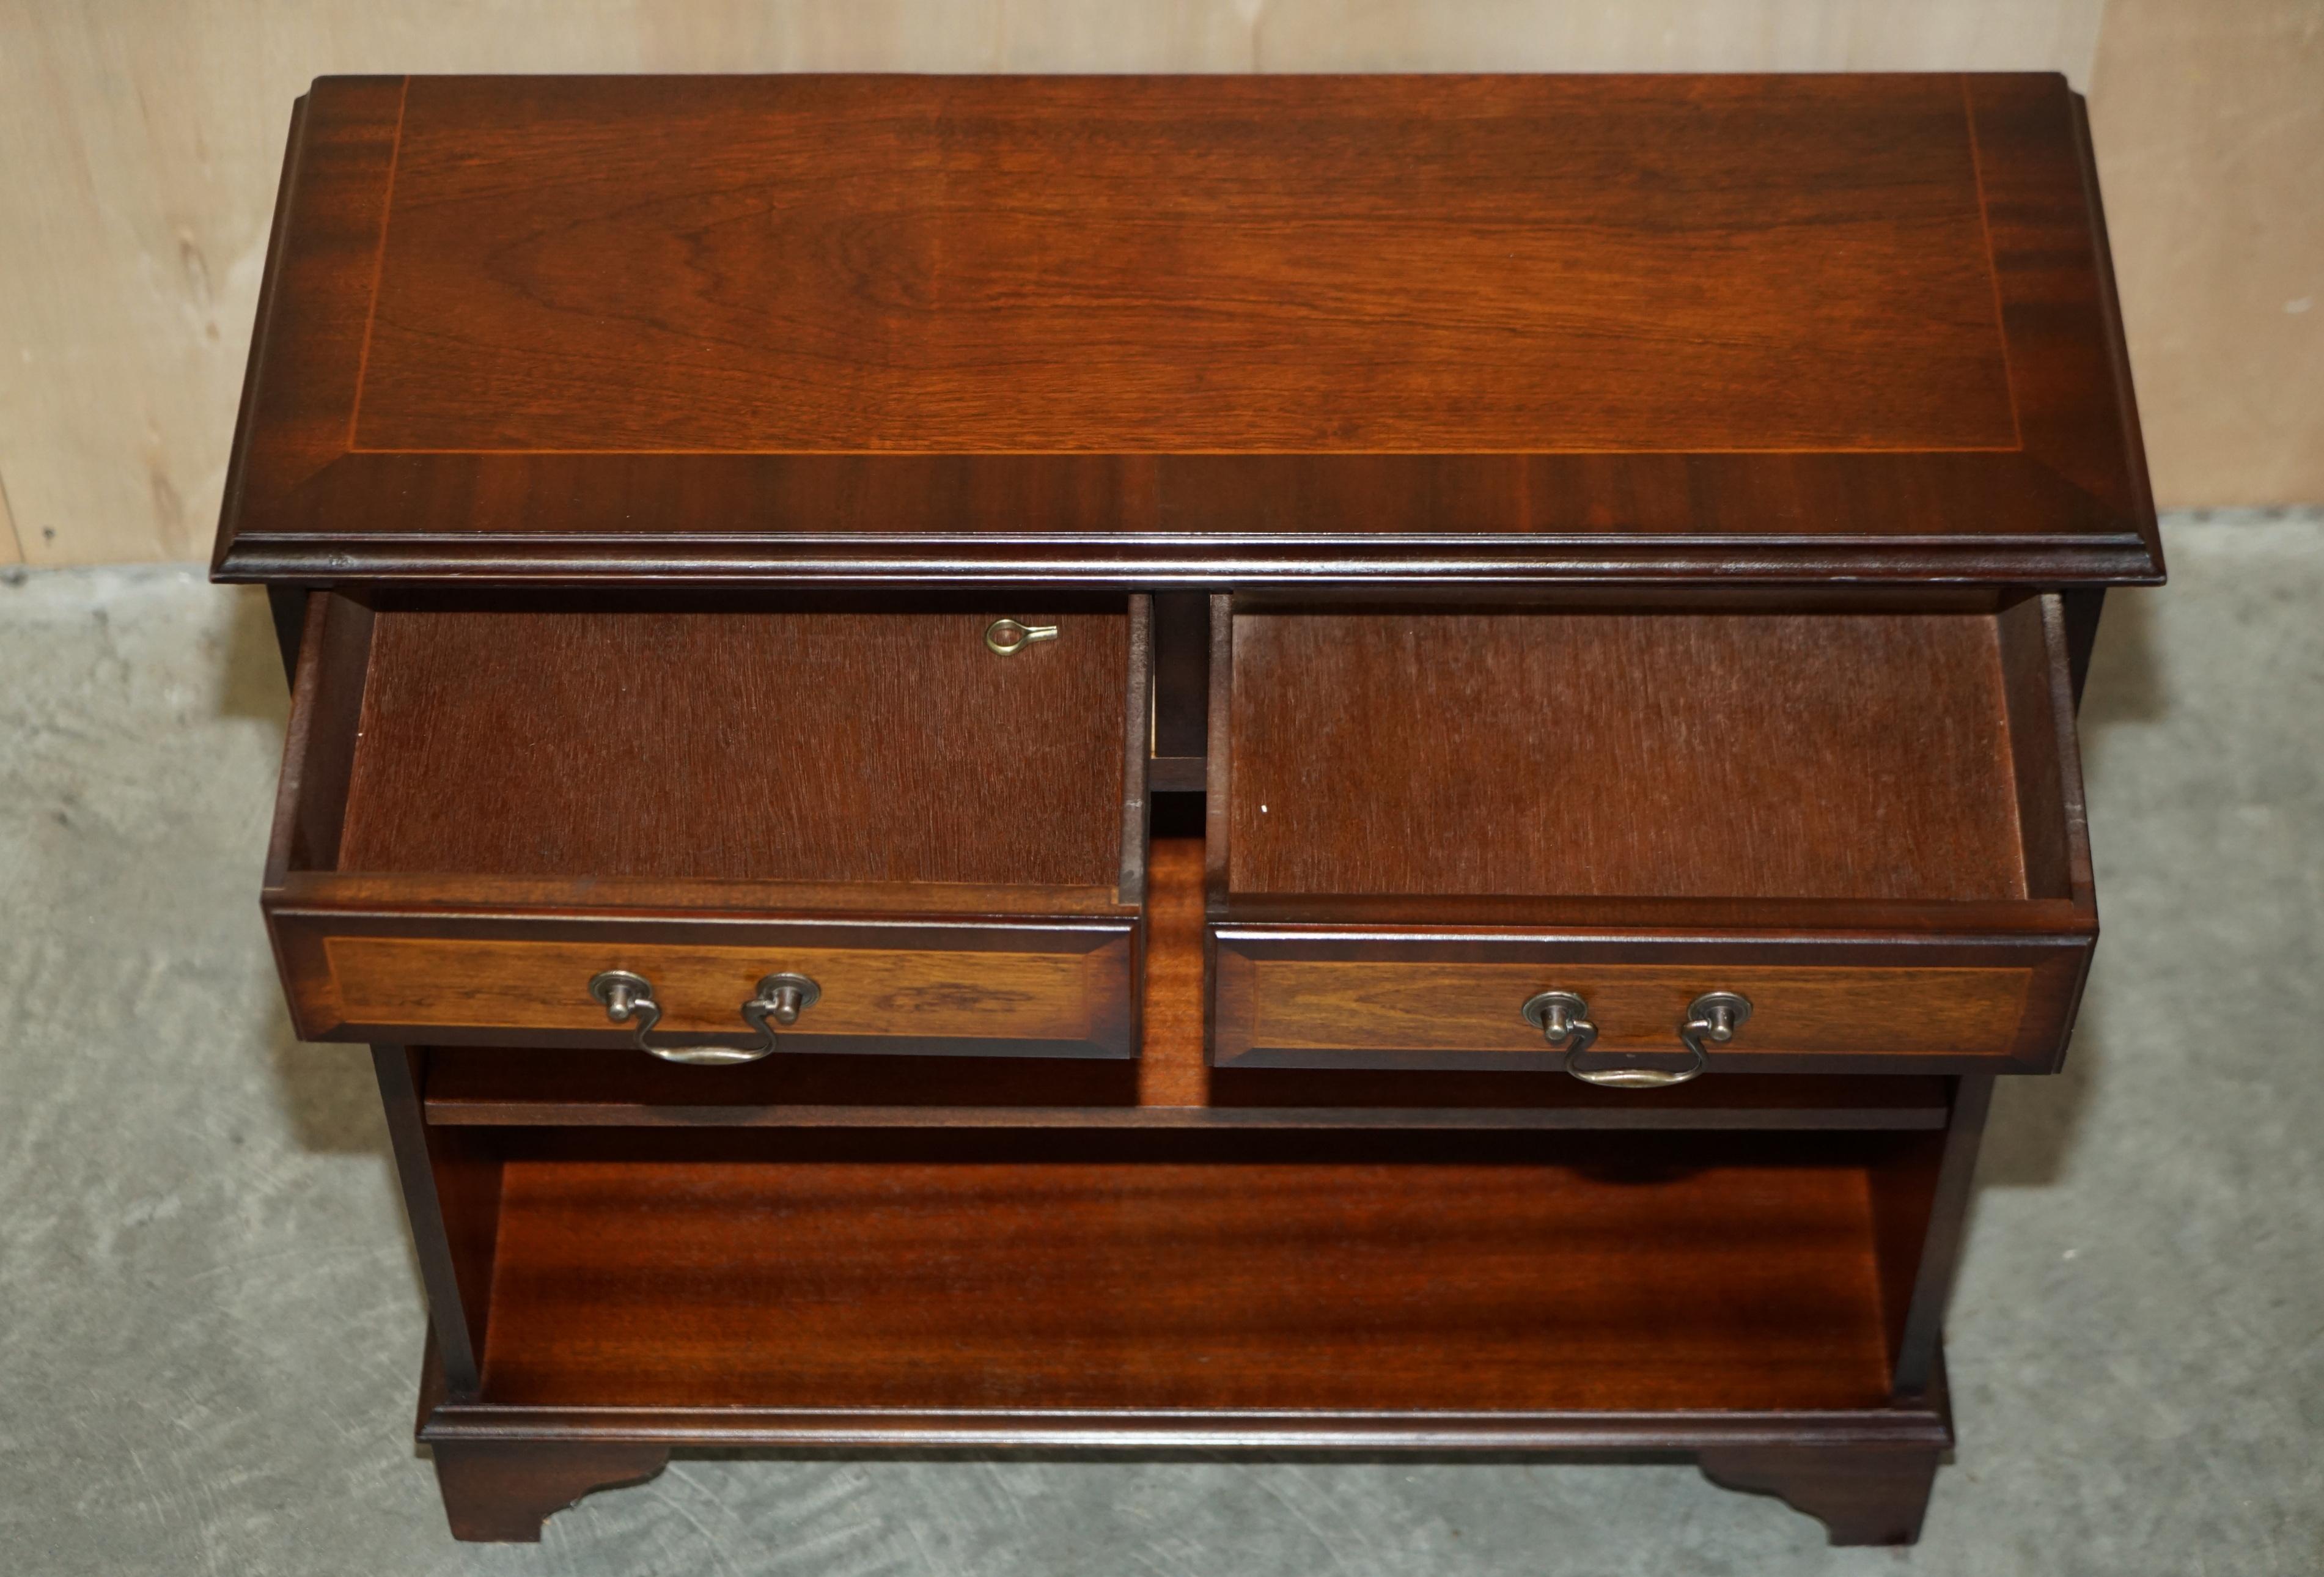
1637,843
704,833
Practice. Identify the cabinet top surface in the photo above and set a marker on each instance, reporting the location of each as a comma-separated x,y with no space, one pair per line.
1444,330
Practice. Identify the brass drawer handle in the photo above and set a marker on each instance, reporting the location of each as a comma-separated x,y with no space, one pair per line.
781,997
1562,1018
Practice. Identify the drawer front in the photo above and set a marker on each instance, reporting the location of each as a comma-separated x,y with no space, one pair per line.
1020,990
1319,1001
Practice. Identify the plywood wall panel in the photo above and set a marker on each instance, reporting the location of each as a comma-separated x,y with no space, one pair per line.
139,141
2209,124
1679,35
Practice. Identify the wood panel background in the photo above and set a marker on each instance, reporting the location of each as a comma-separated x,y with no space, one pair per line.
140,141
2210,124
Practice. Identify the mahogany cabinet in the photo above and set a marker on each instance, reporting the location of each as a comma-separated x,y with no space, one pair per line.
1326,763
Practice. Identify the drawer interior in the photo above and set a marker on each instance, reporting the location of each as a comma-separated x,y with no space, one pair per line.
1811,754
856,746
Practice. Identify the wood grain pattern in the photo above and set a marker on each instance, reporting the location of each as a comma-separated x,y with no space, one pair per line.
2055,291
690,339
1421,816
480,810
1072,999
808,747
1647,754
1224,329
1146,265
1377,1275
1945,982
1172,1064
330,222
2211,132
1292,1005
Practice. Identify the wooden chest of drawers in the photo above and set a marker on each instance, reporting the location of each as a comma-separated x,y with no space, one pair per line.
1327,763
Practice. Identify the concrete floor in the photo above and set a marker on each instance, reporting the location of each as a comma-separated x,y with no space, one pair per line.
210,1323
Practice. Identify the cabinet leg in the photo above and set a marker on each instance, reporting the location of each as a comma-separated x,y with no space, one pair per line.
501,1492
1863,1495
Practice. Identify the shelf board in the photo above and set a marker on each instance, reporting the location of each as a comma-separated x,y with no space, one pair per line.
1166,1273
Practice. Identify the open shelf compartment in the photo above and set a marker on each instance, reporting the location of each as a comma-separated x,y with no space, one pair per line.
879,1275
